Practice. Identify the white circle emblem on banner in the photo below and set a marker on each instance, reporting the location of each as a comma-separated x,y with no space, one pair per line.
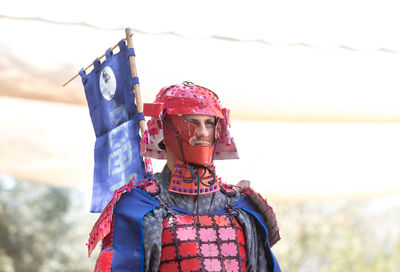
108,83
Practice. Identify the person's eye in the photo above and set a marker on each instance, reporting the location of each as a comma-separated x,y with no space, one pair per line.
210,123
192,121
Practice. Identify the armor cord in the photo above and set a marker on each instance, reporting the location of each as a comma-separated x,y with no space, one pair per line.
197,198
215,148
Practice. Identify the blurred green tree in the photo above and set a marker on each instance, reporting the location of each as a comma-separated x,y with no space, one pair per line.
37,228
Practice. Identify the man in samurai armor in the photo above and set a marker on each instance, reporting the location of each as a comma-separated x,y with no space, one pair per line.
186,218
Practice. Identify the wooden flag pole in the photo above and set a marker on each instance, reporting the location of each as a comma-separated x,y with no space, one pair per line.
136,88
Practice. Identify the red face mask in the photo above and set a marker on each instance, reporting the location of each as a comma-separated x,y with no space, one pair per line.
177,134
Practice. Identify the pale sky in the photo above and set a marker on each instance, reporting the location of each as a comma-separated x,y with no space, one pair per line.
359,24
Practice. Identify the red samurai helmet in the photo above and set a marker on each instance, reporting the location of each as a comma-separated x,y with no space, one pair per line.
167,126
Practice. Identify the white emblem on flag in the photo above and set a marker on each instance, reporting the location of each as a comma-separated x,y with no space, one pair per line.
108,83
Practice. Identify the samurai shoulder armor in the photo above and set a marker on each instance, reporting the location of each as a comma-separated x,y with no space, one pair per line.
103,225
267,212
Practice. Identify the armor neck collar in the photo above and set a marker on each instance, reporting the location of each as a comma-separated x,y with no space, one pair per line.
193,179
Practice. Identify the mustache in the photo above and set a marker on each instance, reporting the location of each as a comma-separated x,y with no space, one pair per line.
206,142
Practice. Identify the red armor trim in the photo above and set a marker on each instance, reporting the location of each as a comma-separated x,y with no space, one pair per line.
150,186
108,239
228,190
101,228
148,166
217,243
103,263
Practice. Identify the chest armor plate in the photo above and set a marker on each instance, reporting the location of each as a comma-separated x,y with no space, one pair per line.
217,243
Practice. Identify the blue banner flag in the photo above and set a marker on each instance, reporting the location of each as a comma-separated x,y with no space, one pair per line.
111,101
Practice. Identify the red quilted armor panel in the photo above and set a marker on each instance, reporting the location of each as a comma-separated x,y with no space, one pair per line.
217,243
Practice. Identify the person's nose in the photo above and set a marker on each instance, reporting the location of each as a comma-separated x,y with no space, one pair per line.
201,130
